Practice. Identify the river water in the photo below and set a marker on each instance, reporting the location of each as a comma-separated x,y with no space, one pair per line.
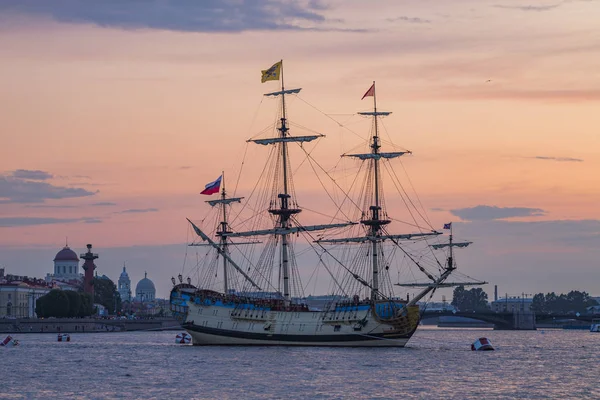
436,364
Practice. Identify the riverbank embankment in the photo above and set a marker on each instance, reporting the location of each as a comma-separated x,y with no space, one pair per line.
85,325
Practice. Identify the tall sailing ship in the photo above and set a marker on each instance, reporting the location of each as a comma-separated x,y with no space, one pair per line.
260,300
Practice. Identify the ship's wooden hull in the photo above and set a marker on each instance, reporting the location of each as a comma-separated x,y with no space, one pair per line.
349,326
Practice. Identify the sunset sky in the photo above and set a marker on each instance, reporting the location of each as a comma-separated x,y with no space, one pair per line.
115,114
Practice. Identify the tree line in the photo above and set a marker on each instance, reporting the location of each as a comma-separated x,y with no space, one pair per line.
572,302
77,304
550,303
64,304
470,300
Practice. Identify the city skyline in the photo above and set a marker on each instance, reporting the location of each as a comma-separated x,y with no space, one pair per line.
111,122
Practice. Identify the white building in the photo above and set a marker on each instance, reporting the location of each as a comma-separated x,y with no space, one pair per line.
124,286
145,290
512,304
66,266
18,295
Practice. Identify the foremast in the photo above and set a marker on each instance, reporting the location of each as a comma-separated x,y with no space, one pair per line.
224,229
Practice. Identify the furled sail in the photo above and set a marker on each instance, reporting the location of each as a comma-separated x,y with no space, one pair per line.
280,92
286,139
286,231
225,201
453,244
377,156
369,238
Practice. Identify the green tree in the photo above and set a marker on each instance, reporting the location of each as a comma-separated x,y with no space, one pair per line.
86,306
572,302
470,300
64,303
458,297
105,293
40,308
56,304
74,303
538,304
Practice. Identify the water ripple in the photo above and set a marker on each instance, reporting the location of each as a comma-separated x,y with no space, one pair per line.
437,364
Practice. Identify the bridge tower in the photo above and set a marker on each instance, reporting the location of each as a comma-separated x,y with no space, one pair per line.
88,267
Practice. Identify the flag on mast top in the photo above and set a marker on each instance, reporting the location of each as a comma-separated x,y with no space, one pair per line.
213,187
370,92
272,74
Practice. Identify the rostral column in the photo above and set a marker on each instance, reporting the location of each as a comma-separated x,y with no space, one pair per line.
88,267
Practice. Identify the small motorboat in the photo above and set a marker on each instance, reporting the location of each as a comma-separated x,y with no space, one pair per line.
9,341
482,344
595,325
64,337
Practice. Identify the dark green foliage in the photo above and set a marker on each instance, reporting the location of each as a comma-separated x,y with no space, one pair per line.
105,293
572,302
86,306
40,310
56,304
470,300
64,303
74,303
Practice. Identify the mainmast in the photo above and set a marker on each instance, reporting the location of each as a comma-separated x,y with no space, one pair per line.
284,212
282,207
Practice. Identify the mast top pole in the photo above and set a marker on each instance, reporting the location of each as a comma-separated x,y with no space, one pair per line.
374,99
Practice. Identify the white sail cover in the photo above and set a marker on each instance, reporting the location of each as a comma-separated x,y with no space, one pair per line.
363,239
454,244
372,156
280,92
437,285
285,231
286,139
225,201
375,113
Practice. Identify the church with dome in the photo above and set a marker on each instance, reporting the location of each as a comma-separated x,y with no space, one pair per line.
145,290
66,273
66,265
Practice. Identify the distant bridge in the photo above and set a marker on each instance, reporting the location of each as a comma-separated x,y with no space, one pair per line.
501,320
544,317
508,320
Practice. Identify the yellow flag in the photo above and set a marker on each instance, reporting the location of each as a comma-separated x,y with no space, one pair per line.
271,74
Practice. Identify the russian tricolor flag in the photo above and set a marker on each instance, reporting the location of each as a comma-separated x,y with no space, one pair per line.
213,187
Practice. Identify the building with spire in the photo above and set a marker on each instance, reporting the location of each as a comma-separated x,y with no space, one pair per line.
124,286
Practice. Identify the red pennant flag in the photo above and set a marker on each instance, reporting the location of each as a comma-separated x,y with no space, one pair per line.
370,92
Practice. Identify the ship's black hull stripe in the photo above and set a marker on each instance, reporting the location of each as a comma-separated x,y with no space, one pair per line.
294,338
